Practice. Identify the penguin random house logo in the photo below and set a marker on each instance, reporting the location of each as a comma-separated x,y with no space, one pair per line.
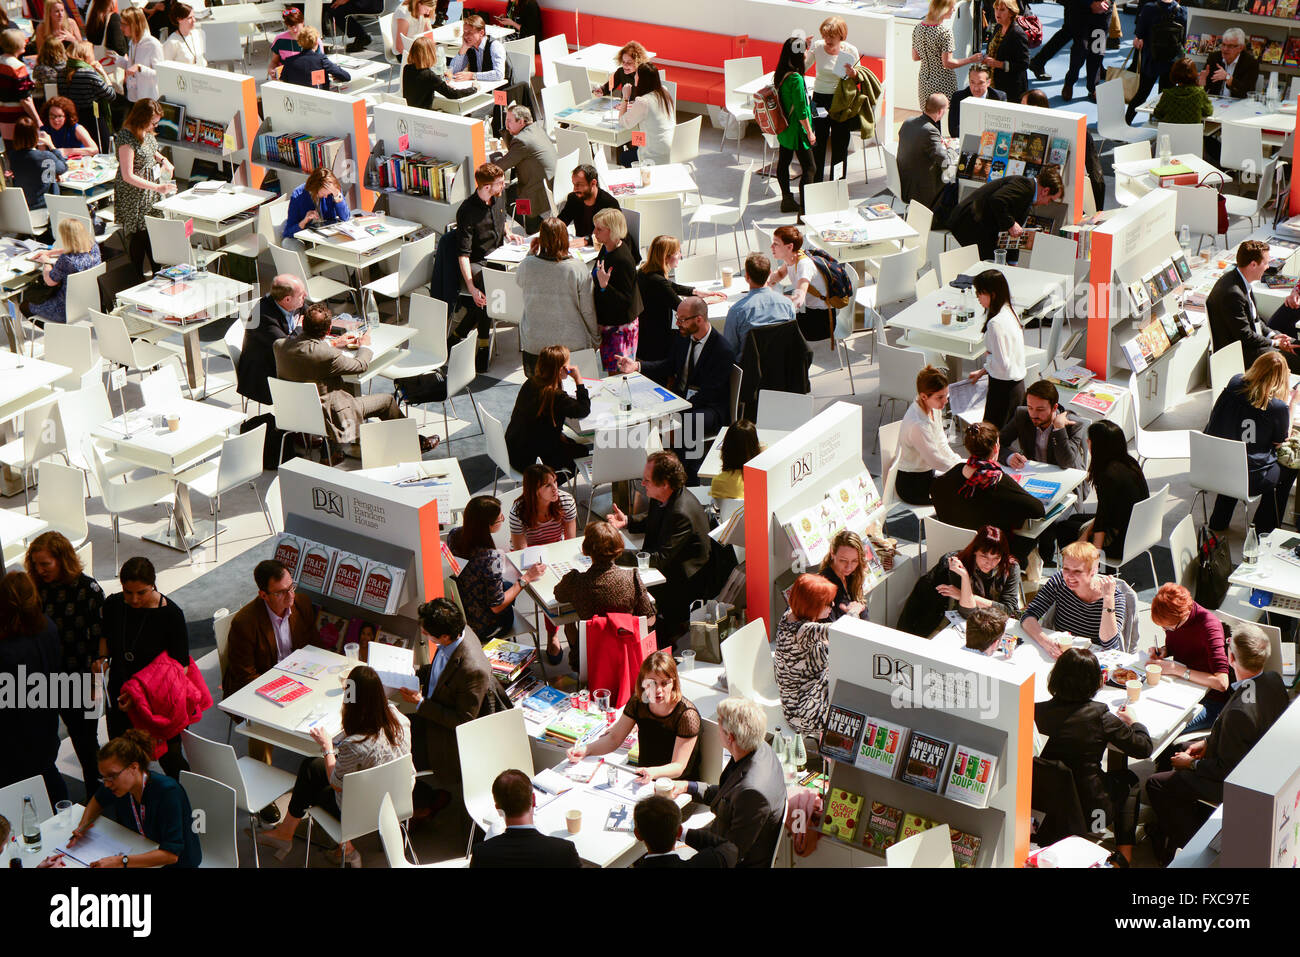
287,104
78,911
403,129
180,83
324,500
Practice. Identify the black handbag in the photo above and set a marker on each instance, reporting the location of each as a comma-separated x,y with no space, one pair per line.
1213,566
419,389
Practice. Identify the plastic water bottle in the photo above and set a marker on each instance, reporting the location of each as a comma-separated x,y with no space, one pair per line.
31,827
1250,550
626,400
1185,240
1165,149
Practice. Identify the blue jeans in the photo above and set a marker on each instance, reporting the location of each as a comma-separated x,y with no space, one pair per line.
1206,715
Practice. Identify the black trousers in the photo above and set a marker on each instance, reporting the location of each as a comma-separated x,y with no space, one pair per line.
696,425
836,132
139,250
1003,398
815,324
1089,48
84,734
1148,82
312,789
807,171
1272,485
914,487
356,30
172,763
1058,41
1177,809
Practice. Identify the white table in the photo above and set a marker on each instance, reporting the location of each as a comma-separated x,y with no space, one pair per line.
215,213
753,86
669,179
386,341
465,105
26,382
598,118
56,831
448,468
285,726
17,527
203,299
889,229
712,464
650,402
559,558
360,253
90,175
1273,573
202,430
1070,480
1138,172
510,255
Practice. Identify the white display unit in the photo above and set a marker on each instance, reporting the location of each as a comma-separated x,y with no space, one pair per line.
443,136
948,692
288,108
1261,801
219,97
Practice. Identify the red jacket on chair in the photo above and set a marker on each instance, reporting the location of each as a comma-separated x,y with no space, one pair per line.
615,650
164,699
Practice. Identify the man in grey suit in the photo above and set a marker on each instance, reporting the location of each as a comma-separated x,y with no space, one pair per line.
748,802
308,356
1044,432
532,156
922,158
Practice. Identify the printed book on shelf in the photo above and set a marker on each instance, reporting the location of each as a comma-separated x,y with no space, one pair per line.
545,700
288,552
914,824
971,778
1019,147
1036,148
332,629
842,734
381,587
843,814
987,140
927,756
881,827
998,169
317,563
1002,146
345,577
1059,152
965,848
508,659
1099,397
882,747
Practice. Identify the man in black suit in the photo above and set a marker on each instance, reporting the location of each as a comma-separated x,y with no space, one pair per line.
677,538
657,822
1232,65
1001,206
1044,432
274,317
1258,699
521,844
978,87
1233,314
922,157
698,368
748,802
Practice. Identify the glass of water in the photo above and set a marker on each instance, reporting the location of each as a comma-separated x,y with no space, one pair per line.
999,257
63,812
643,561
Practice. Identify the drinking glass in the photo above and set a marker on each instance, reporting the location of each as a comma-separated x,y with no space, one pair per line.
63,811
643,561
352,651
1000,257
688,661
603,705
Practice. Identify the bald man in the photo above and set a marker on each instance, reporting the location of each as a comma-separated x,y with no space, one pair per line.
275,316
922,158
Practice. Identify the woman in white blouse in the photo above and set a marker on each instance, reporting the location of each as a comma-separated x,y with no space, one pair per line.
185,44
836,58
653,113
923,445
142,57
410,20
809,295
1005,342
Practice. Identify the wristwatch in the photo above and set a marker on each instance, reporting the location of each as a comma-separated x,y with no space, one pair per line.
126,859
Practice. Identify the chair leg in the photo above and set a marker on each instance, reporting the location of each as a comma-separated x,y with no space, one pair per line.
306,857
257,861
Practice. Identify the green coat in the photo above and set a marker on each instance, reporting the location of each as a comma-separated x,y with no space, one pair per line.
1182,104
794,100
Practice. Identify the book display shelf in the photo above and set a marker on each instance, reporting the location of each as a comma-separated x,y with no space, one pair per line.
208,114
423,162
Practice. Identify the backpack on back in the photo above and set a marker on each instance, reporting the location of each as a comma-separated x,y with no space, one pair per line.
1167,36
839,287
768,112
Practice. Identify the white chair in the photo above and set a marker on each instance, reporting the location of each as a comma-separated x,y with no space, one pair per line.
576,76
1224,364
737,107
941,538
359,802
1272,632
747,661
82,411
71,346
81,295
556,97
168,243
489,745
721,215
394,841
1182,549
1144,531
16,219
223,43
895,286
888,437
216,801
1132,152
831,196
42,436
239,463
389,443
505,300
414,270
572,141
274,505
1111,107
1219,465
686,141
460,375
319,288
618,455
1198,209
263,237
927,283
1184,138
784,411
1125,193
427,347
696,269
60,501
126,495
659,217
1164,444
898,371
893,182
550,50
1243,148
116,345
956,262
564,166
160,388
1243,207
298,408
1055,254
930,849
495,434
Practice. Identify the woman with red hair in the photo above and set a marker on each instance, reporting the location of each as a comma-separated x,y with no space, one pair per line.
1196,648
802,649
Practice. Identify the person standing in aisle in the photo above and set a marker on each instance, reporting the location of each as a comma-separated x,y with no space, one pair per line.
797,139
481,226
1090,25
932,46
1005,342
185,44
1059,41
835,58
1008,52
532,156
1158,36
1001,206
923,447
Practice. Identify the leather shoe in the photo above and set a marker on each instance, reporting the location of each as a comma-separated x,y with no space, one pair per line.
1067,93
429,443
359,44
1040,74
789,204
269,814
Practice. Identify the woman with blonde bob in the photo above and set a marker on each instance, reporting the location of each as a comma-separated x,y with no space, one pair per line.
558,305
143,55
617,298
77,252
1257,408
1085,603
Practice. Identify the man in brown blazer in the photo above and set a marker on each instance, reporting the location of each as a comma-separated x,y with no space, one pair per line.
277,622
308,356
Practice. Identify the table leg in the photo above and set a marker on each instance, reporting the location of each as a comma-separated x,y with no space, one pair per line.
194,361
179,532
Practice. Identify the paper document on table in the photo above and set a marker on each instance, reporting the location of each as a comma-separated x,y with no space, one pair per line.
395,666
306,662
1176,696
92,847
329,718
626,787
508,253
461,84
580,771
439,486
553,782
132,423
647,392
965,397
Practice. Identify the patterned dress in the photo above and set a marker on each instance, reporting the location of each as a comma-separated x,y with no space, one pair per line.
77,610
54,309
131,204
802,650
931,41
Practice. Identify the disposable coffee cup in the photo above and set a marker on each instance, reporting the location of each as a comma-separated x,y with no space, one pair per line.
945,317
1134,689
727,275
1065,641
173,422
1153,675
645,176
664,787
573,820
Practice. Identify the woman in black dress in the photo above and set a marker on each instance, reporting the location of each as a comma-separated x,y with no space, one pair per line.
140,624
660,297
1120,485
536,428
1008,52
614,289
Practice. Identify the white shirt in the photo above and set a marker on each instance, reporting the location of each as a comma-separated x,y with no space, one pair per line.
830,69
805,268
648,114
923,444
190,49
146,54
280,626
1005,341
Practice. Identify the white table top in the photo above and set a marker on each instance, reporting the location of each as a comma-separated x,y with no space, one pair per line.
214,207
670,179
56,831
1138,172
442,468
712,464
888,229
598,56
18,526
393,230
357,67
204,292
511,255
1271,572
200,424
244,13
559,558
1070,480
449,34
649,401
598,113
288,723
386,340
102,169
22,378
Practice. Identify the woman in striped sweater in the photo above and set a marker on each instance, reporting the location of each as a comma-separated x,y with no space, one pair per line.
1084,601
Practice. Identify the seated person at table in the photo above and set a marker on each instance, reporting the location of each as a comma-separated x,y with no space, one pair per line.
152,805
603,588
698,368
486,597
277,315
582,205
923,447
739,445
16,84
981,575
276,623
480,58
1120,485
1195,649
1183,101
536,427
653,111
802,650
76,252
748,802
1001,206
660,297
543,513
677,539
1085,602
311,67
978,493
374,733
1230,70
35,163
761,306
559,309
1257,409
1234,314
979,80
141,623
308,356
667,725
1258,699
521,844
285,45
1043,431
657,823
1079,729
421,81
633,65
69,137
532,156
844,566
984,630
319,200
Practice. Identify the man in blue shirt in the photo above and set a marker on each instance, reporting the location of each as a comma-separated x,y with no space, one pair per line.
761,306
480,58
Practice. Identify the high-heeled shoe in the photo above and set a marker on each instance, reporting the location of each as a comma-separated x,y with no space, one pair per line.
353,859
281,846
